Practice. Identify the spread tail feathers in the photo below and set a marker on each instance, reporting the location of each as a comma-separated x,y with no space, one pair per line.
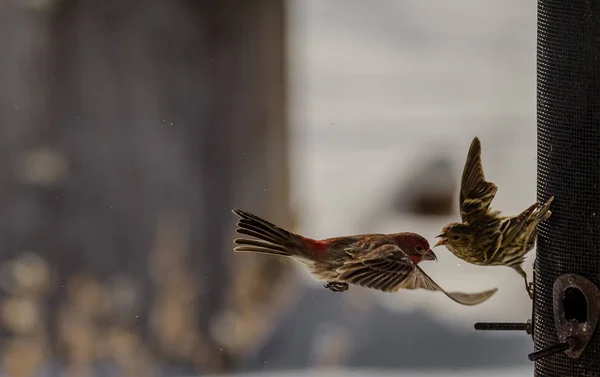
271,239
543,212
536,213
527,220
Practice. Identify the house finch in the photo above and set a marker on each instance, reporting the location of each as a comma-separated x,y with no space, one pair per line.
386,262
484,237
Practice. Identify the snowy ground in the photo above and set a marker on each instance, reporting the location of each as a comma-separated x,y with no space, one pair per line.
375,85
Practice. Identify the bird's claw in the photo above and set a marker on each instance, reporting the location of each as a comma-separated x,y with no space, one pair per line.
337,287
530,290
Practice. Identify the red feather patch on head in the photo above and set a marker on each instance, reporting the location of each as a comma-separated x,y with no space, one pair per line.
412,239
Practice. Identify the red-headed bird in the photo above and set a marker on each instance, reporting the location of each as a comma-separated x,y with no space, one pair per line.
386,262
484,237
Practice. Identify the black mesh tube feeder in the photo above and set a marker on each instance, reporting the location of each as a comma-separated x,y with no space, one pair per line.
566,303
567,266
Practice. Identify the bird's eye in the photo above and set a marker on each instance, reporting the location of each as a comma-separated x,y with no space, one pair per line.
419,248
455,237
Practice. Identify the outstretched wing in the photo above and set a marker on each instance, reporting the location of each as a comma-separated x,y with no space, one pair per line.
377,264
476,194
387,268
422,280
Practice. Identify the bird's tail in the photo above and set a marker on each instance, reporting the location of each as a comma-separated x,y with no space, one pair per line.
271,239
525,224
535,214
542,212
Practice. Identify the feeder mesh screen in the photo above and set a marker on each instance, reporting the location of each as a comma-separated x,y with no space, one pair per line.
568,111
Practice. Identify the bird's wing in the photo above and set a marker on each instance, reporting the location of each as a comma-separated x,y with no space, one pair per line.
384,267
389,269
420,279
476,194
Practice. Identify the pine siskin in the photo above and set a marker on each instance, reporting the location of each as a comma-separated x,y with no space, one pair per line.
484,237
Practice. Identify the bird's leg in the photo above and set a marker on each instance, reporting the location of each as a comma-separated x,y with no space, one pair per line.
337,286
528,286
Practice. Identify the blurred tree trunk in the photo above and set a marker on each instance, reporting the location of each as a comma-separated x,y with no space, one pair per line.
130,131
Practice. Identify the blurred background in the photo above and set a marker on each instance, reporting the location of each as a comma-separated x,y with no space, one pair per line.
131,129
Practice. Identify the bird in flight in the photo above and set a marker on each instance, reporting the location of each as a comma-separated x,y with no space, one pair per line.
385,262
484,237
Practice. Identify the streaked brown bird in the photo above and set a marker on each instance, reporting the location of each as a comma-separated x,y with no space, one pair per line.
386,262
484,237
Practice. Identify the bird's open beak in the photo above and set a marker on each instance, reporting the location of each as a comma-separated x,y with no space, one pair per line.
429,255
443,240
